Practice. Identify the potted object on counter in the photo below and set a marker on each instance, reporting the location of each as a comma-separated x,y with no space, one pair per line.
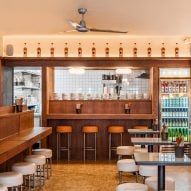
164,132
179,148
127,108
78,108
19,105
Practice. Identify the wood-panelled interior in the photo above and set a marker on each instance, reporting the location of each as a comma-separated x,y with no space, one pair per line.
96,112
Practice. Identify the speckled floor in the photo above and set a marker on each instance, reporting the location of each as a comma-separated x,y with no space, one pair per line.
102,176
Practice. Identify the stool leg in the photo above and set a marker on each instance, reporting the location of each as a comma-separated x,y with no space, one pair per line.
33,176
120,177
47,168
110,146
95,146
57,146
68,147
136,173
121,138
51,166
84,146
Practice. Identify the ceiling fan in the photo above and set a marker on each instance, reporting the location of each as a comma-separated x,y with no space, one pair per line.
81,26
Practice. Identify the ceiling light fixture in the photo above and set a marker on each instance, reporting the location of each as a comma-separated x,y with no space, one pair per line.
123,71
77,71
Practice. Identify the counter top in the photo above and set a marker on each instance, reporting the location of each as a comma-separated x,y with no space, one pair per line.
100,116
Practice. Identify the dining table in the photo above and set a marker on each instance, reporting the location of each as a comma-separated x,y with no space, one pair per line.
161,160
150,141
143,132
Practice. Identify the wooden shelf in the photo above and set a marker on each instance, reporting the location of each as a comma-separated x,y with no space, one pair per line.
100,116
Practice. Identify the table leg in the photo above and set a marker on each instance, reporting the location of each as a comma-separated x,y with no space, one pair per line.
161,178
150,148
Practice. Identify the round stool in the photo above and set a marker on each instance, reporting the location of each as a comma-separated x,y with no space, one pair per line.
152,183
115,129
146,171
11,179
125,151
132,187
143,127
127,165
88,130
48,154
40,161
27,169
63,130
3,188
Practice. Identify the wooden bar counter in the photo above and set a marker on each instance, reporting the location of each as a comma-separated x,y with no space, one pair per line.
101,113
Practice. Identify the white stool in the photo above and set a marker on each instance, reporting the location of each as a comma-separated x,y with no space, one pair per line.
139,149
11,179
27,169
125,151
127,165
48,154
40,162
3,188
132,187
146,171
152,183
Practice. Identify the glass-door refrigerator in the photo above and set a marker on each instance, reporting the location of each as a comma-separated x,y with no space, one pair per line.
175,101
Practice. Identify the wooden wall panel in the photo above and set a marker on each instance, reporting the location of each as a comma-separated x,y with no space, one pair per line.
26,120
100,106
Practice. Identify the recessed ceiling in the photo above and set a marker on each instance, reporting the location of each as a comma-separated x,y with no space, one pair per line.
138,17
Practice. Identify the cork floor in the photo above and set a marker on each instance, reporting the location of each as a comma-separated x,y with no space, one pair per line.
102,176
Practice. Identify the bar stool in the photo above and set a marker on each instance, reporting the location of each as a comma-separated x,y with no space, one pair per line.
40,162
3,188
127,165
64,129
115,129
11,180
48,154
27,169
143,127
152,183
87,130
132,187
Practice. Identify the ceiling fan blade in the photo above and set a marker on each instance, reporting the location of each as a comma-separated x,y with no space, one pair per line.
73,24
107,30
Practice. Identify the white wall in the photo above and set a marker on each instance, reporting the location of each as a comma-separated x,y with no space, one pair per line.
100,44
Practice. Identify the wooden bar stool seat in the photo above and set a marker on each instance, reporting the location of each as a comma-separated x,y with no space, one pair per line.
86,130
143,127
115,129
61,130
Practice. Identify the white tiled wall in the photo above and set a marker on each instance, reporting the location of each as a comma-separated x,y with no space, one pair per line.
91,82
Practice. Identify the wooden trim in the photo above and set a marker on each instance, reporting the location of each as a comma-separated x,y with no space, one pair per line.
1,83
100,116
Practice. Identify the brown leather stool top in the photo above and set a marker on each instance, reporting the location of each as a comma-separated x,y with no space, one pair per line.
144,127
64,129
116,129
90,129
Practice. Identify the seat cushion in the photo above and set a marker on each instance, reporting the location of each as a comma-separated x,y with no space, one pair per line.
145,170
11,179
25,168
127,165
151,182
132,187
46,152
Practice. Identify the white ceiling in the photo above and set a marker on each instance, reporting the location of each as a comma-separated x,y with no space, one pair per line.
139,17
